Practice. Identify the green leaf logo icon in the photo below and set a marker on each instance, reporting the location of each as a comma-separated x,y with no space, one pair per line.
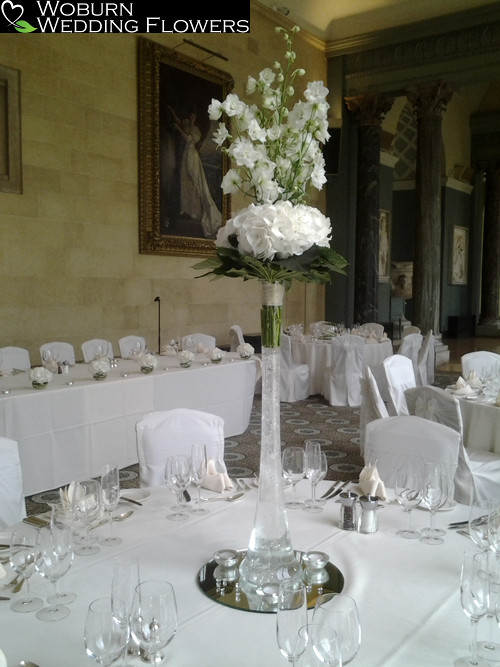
24,26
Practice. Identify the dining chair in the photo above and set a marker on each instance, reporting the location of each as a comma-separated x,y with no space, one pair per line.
90,348
372,404
373,327
342,379
478,470
60,352
165,433
481,361
236,337
196,341
410,347
294,377
410,330
131,346
426,360
399,375
14,358
12,504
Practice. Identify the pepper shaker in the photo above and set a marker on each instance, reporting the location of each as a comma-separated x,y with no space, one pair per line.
348,510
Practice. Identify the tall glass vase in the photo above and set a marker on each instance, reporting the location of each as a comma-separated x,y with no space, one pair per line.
270,556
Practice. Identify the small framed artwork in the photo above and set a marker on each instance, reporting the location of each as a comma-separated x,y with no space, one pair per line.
459,254
181,204
384,246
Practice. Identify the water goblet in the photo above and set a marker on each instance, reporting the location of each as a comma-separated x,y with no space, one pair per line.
494,529
53,558
62,516
178,476
110,497
313,473
291,615
22,561
325,643
433,491
86,506
154,618
479,511
340,611
408,489
124,580
198,473
293,463
104,636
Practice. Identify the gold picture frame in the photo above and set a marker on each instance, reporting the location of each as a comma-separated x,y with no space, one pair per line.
459,255
384,246
181,204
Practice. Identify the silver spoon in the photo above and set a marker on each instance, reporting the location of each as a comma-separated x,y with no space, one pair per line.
27,663
116,517
228,499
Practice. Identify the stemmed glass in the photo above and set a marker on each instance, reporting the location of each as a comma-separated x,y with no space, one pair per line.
198,473
22,561
474,590
293,462
154,618
313,473
54,555
124,580
433,492
479,511
178,476
86,506
494,529
408,488
323,473
60,516
105,636
340,611
291,615
110,497
325,643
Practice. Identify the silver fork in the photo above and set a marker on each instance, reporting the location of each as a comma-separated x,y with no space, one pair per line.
243,484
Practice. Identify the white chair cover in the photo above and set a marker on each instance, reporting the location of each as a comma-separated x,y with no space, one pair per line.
12,505
130,346
294,377
373,327
14,357
410,330
372,405
398,441
167,433
343,379
426,360
480,361
60,351
399,375
410,347
192,341
478,471
236,337
90,348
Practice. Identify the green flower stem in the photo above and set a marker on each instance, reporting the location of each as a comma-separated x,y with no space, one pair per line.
270,325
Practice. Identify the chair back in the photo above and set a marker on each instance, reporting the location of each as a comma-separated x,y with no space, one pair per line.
426,360
373,327
60,352
96,346
410,330
286,350
12,505
400,375
480,361
236,337
347,370
372,404
167,433
195,341
294,377
410,347
131,346
14,357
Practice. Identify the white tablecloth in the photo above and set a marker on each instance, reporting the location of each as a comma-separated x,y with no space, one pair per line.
318,355
481,421
66,432
407,592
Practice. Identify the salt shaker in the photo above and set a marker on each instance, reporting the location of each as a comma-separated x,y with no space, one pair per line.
368,522
348,510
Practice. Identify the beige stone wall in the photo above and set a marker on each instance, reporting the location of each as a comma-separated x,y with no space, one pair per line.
69,262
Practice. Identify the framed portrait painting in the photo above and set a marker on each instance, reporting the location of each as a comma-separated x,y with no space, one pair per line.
459,254
181,204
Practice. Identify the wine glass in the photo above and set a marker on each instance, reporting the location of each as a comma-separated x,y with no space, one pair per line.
104,636
408,489
54,555
323,473
110,497
178,476
474,588
22,561
479,510
325,643
198,473
293,463
86,506
340,611
61,516
494,529
124,580
433,491
313,472
291,615
154,618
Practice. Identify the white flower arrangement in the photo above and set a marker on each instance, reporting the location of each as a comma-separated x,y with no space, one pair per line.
245,350
147,362
185,357
40,375
99,368
216,355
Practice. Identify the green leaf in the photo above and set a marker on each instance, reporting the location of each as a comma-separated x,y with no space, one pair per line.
24,26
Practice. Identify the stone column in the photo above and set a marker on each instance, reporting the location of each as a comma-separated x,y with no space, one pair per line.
369,110
428,101
490,270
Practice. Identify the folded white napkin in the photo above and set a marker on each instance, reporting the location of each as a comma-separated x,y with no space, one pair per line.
201,349
463,388
66,495
3,659
3,573
372,338
474,381
215,481
370,482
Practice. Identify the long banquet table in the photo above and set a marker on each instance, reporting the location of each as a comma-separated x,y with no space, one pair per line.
481,421
69,431
407,592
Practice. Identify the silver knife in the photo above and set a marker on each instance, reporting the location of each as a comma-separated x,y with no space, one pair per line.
333,487
339,490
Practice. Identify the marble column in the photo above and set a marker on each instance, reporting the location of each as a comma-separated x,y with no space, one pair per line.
429,102
369,110
490,270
